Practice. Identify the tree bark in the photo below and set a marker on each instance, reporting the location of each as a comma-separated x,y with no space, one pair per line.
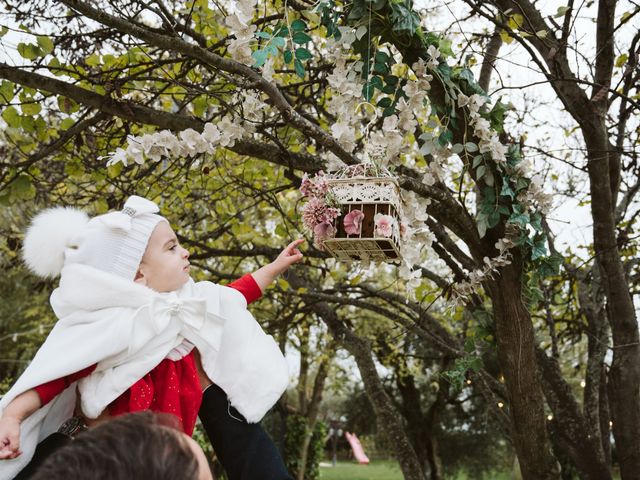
603,165
573,433
386,414
311,412
516,343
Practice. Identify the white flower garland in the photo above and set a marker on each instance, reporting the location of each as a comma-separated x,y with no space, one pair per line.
383,146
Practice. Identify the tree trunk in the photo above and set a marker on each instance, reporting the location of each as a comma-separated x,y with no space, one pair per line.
603,166
386,414
624,376
313,408
420,426
595,393
516,343
578,439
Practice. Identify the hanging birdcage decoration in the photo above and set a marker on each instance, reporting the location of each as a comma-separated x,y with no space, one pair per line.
355,213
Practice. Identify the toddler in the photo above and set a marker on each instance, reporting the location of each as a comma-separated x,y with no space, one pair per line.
135,332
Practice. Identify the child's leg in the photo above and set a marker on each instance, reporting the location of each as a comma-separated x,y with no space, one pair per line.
245,450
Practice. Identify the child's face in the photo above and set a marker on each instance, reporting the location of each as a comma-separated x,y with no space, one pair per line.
165,264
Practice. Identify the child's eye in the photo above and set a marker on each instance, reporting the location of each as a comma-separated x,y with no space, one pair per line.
173,248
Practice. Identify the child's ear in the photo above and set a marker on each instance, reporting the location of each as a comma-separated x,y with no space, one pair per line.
140,278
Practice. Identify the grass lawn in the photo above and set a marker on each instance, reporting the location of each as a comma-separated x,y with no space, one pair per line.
378,470
387,470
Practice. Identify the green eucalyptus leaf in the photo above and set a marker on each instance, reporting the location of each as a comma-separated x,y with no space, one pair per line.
471,148
259,57
445,137
301,38
391,80
298,25
376,82
278,42
367,91
303,54
389,89
381,57
387,112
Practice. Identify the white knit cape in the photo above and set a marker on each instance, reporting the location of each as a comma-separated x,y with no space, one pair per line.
127,329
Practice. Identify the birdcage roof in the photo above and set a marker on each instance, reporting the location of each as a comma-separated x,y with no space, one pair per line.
361,170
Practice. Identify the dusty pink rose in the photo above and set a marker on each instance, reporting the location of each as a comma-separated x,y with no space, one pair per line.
353,222
323,231
384,224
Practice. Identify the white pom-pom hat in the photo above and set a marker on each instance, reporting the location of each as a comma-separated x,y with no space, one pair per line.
114,242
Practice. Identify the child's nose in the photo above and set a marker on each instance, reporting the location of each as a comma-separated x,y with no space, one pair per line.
185,253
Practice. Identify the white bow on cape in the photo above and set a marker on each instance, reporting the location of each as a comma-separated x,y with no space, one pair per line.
127,329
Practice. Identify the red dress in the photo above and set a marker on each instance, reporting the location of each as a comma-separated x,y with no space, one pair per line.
172,386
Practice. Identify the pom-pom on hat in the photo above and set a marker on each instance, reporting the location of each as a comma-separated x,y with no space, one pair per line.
114,242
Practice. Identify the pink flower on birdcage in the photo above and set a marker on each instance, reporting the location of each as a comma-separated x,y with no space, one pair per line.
316,211
322,232
353,222
314,187
384,224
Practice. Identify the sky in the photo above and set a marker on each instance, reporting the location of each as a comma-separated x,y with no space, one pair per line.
527,90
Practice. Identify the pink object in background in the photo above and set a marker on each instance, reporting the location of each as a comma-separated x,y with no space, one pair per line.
356,446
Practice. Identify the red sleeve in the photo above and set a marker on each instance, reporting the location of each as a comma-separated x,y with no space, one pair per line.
248,287
47,391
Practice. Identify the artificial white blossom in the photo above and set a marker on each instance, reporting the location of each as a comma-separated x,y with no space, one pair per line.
119,156
345,134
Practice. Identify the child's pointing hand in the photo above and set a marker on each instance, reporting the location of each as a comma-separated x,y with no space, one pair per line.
267,274
288,257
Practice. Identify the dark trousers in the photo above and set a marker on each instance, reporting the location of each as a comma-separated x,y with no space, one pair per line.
244,449
45,448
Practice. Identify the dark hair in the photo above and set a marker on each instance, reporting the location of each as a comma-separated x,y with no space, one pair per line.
135,446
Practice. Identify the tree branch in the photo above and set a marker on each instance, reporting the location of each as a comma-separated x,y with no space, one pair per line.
206,57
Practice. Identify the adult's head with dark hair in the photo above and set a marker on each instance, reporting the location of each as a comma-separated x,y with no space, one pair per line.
140,445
